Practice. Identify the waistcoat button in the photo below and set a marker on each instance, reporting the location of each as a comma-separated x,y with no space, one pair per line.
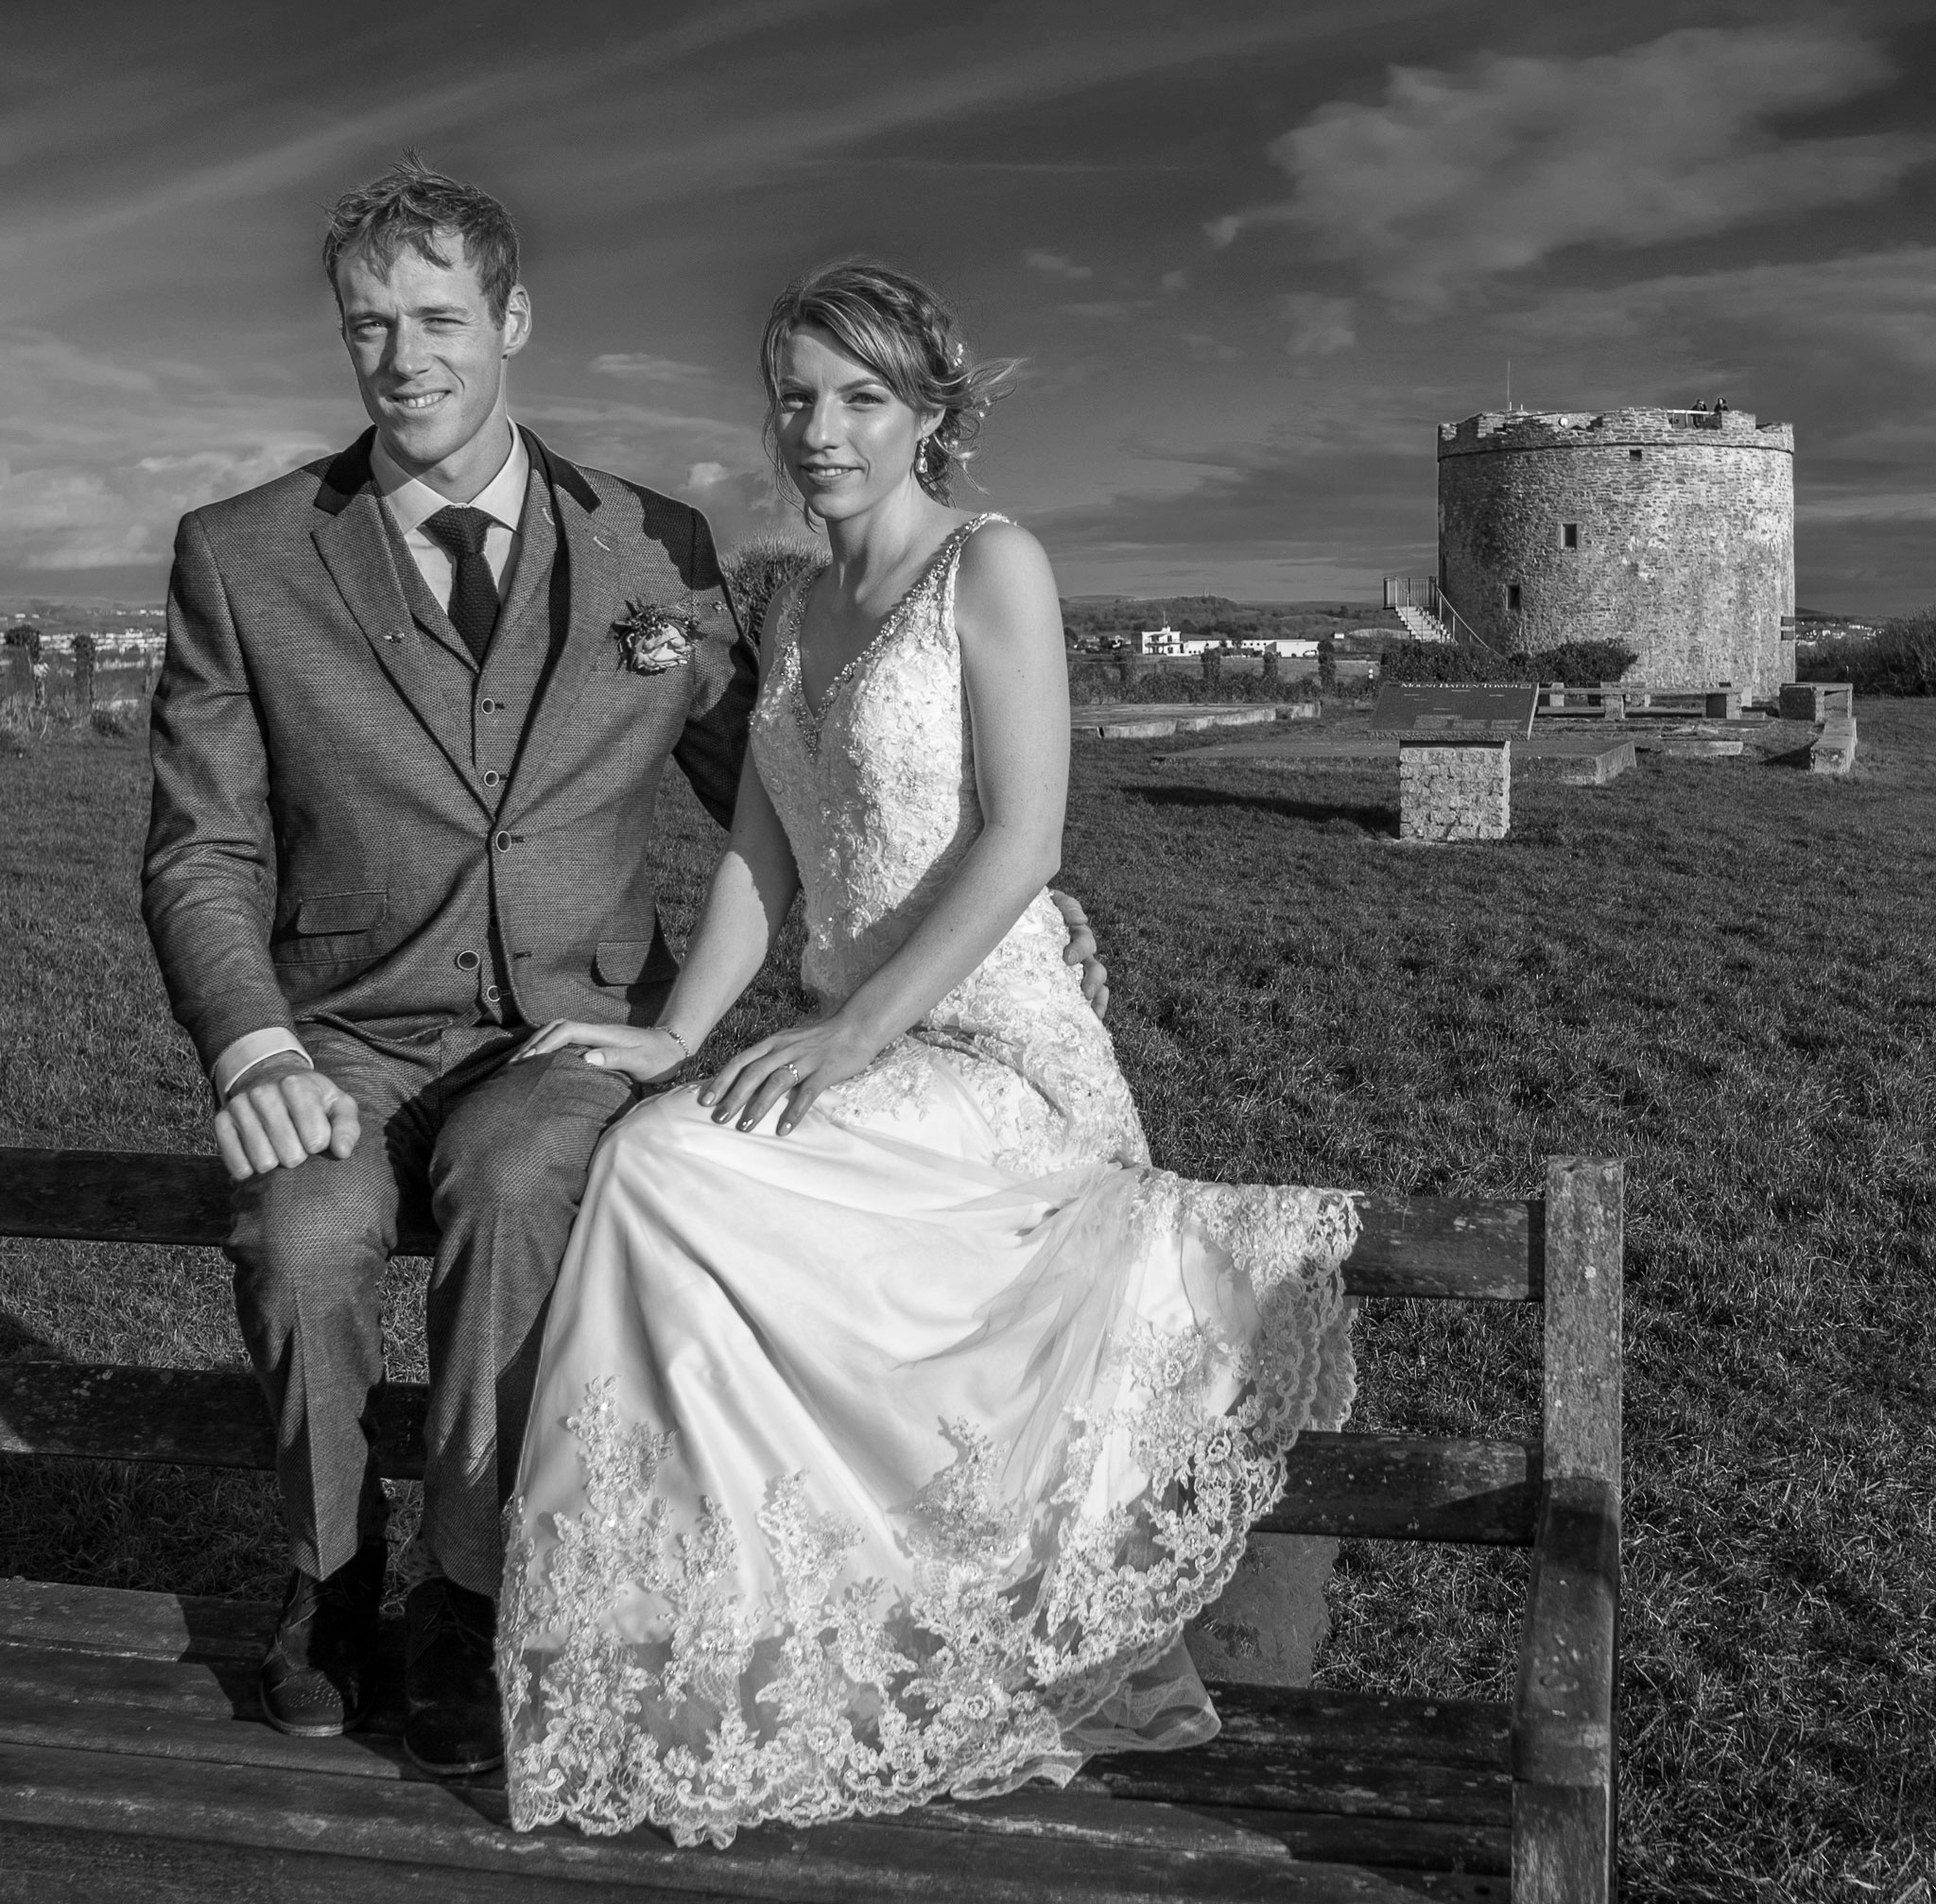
468,962
492,777
503,842
491,995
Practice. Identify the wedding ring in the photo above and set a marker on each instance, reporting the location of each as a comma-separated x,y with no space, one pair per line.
791,1066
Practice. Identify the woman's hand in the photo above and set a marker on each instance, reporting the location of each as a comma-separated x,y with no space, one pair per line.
646,1054
797,1064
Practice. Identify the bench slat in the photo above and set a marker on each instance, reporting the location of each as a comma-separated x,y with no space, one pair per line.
1379,1488
1009,1851
1337,1760
1409,1246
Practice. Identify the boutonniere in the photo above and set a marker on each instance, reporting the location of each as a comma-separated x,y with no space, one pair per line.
652,639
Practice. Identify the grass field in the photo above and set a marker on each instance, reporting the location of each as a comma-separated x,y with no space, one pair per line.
1723,972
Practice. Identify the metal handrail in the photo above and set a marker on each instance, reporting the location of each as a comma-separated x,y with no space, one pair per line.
1423,591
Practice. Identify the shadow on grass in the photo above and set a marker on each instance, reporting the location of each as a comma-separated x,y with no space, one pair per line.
1381,821
19,1343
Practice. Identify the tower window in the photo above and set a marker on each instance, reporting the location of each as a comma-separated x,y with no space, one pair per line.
1636,455
1570,535
1512,597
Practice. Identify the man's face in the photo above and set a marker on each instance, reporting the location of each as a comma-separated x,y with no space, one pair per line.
429,356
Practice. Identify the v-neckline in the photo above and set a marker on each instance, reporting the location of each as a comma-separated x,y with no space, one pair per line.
814,718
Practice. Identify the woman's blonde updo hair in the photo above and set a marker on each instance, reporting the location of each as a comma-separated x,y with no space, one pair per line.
907,336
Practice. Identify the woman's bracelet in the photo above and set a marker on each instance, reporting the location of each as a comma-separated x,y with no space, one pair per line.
684,1049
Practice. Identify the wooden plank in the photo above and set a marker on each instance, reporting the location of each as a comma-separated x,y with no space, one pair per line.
1344,1754
1583,1255
1388,1844
1010,1851
1409,1246
123,1623
1411,1487
196,1417
126,1197
1381,1487
1450,1247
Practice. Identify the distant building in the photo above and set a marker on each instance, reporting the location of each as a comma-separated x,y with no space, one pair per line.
1167,640
1289,648
1671,530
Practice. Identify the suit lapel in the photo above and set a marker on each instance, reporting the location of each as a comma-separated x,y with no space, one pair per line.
353,542
591,576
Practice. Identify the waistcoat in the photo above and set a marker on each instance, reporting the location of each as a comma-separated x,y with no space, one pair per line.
502,695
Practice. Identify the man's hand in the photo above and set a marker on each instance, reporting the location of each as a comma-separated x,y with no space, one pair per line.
1081,950
281,1118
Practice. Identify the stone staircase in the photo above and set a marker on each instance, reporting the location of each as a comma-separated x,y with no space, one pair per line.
1422,625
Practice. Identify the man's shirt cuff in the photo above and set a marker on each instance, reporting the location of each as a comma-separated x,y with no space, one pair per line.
252,1049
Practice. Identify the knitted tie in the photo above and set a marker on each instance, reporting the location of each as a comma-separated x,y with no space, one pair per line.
472,595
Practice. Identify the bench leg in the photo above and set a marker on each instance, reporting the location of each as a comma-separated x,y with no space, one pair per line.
1563,1844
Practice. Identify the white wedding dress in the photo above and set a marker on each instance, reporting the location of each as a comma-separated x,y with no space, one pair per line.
889,1459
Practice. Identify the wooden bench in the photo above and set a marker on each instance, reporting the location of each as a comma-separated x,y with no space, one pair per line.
133,1763
1616,699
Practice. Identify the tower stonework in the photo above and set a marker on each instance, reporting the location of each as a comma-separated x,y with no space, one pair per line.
1671,530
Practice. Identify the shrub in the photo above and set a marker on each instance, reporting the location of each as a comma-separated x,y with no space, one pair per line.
760,566
1578,664
114,719
1900,658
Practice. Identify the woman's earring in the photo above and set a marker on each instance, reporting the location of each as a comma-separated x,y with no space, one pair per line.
921,458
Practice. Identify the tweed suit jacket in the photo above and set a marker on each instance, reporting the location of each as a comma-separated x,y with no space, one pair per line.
321,843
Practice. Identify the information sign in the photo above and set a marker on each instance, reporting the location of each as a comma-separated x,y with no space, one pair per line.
1438,711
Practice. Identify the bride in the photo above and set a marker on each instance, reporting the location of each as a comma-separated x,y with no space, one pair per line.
894,1412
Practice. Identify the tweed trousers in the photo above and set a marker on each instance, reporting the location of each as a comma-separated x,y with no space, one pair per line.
498,1155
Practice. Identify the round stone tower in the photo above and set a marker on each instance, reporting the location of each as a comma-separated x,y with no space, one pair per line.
1671,530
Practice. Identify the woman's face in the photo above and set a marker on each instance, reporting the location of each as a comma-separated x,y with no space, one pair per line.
846,440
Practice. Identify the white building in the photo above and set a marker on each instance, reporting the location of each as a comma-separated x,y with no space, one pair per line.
1167,640
1289,648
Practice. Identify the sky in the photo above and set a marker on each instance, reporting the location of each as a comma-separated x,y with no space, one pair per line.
1251,251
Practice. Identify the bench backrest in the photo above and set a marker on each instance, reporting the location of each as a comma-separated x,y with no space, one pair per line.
1562,1250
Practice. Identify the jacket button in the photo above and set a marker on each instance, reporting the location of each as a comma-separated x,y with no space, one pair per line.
502,843
491,995
492,777
468,962
489,706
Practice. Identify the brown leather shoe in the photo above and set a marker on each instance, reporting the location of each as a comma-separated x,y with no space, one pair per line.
319,1677
451,1722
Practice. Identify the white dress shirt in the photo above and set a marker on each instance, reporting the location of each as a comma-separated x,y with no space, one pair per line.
412,504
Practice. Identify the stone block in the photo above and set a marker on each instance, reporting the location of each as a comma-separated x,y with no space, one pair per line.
1817,699
1455,792
1834,751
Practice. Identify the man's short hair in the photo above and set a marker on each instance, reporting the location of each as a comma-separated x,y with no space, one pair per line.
413,205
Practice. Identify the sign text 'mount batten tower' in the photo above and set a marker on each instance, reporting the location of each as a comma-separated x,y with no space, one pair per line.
1672,530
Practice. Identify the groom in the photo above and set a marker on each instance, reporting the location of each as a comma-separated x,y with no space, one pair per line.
418,700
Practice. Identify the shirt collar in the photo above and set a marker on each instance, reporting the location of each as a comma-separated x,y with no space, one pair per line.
412,503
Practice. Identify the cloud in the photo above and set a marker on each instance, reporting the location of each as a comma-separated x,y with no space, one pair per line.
68,517
641,367
1056,266
1110,310
1174,281
1457,177
1319,326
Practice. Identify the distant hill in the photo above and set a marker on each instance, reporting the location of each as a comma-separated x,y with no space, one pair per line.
1215,615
